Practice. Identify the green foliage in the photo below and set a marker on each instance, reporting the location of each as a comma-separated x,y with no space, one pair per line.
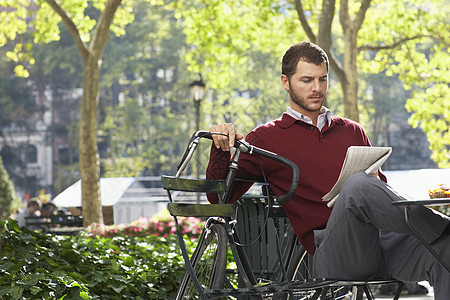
38,266
431,112
43,26
405,39
15,99
146,127
8,200
421,61
237,47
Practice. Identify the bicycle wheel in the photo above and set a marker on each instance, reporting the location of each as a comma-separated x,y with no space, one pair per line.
299,268
209,263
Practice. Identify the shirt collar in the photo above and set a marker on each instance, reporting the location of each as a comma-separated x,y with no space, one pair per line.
299,116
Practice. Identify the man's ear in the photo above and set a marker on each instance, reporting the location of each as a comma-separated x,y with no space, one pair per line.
285,82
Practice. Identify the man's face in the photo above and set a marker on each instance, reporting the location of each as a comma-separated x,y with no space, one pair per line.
33,208
308,87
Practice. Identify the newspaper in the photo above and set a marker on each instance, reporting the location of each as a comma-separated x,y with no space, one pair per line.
358,159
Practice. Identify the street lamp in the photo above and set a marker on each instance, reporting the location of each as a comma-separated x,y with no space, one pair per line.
197,90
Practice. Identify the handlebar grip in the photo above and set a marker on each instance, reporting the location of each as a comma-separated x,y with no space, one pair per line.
208,135
245,147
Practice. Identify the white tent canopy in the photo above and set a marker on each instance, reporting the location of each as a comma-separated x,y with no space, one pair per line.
111,190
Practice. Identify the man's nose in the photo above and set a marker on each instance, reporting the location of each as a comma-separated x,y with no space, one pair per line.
316,85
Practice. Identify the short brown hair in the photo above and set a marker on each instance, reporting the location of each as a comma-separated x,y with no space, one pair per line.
305,51
34,202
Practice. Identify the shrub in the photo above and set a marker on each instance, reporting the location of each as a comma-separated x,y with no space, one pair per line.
8,199
91,266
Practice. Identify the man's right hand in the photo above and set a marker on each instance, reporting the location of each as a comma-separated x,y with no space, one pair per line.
229,134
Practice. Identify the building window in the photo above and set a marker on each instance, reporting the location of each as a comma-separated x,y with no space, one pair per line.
8,156
31,154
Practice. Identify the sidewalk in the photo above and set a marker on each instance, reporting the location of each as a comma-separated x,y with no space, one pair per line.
429,296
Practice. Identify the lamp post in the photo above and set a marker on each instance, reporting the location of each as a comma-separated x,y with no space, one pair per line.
197,90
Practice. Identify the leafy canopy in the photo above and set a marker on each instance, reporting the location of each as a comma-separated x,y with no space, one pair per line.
40,21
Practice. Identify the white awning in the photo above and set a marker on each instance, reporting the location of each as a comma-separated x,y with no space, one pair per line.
111,190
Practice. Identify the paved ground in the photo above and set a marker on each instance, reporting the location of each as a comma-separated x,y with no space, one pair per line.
429,296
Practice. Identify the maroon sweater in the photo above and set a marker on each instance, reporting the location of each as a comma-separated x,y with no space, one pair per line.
319,156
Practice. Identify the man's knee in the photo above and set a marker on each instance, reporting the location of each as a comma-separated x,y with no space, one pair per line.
356,182
357,188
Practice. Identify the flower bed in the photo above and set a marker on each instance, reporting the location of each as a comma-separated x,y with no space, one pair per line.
161,225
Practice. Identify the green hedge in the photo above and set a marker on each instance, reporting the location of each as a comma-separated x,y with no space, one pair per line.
87,266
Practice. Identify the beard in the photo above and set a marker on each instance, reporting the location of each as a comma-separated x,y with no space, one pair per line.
301,101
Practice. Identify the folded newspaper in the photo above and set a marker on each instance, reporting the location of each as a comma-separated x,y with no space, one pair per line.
358,159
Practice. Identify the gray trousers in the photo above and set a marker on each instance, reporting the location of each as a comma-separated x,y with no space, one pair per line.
367,237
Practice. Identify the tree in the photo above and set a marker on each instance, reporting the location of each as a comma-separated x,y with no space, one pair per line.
8,198
146,130
19,113
398,34
90,37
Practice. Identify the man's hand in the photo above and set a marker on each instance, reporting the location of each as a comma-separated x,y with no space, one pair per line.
225,140
375,175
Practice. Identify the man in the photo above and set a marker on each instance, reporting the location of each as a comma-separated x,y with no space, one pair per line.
363,236
33,206
49,209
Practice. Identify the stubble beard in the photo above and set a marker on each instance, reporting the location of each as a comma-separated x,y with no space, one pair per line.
301,101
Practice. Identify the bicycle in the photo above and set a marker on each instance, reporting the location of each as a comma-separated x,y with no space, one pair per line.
220,265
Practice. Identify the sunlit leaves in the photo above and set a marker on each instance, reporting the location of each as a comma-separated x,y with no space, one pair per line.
224,35
123,17
420,59
12,20
237,46
42,22
431,112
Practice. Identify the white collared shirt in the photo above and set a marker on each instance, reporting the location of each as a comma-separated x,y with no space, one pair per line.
321,120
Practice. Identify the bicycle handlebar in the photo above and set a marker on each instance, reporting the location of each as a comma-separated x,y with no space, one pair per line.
245,147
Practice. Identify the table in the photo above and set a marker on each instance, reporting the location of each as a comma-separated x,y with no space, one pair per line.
429,202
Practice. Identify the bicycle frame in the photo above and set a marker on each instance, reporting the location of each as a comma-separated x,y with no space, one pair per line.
223,189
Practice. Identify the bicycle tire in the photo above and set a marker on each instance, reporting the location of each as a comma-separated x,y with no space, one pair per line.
298,266
299,269
208,262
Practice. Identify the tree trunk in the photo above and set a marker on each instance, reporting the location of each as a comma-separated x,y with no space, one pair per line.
346,73
89,158
350,84
89,167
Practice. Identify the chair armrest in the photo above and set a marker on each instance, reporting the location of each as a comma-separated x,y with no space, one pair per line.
193,185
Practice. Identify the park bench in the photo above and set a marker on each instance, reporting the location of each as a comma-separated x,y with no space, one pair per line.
57,224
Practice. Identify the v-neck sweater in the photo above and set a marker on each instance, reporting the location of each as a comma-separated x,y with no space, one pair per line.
319,156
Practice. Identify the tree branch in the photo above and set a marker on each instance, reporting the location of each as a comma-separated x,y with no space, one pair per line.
343,13
84,51
413,64
361,14
395,44
101,33
324,37
325,23
304,21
